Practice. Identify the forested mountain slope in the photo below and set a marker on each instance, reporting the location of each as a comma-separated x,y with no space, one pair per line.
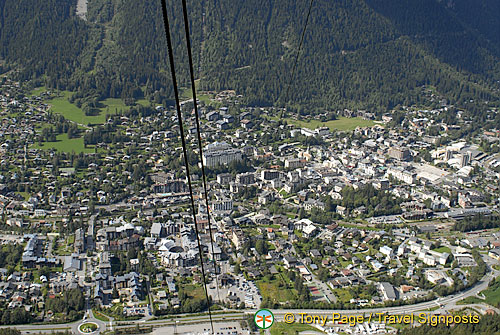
42,36
357,53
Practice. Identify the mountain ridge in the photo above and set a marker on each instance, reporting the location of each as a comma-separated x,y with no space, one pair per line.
369,54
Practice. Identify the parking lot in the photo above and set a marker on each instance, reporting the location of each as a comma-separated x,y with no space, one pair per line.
222,328
246,291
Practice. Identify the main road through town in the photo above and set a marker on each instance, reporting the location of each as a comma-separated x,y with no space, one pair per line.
443,304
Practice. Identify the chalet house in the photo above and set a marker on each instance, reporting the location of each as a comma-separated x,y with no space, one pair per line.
289,261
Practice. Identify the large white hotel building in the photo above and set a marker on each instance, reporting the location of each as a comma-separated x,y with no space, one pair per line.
219,153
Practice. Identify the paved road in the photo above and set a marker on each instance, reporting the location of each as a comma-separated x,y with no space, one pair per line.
452,299
89,318
447,302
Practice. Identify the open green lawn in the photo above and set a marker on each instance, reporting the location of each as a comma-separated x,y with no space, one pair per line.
88,327
281,328
143,102
470,300
42,125
443,249
65,144
38,90
399,326
186,94
342,123
111,105
343,262
272,290
61,105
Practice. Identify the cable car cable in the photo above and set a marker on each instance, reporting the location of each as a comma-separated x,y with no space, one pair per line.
184,150
193,88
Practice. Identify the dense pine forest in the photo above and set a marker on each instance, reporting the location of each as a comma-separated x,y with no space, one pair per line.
370,54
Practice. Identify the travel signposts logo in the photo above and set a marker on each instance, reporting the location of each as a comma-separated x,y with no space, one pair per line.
263,318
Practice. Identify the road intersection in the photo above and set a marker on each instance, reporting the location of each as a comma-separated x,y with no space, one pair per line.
445,304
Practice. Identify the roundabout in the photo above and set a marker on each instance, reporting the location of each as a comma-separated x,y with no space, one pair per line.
88,328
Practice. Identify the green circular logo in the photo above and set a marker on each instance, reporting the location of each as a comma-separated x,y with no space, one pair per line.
264,318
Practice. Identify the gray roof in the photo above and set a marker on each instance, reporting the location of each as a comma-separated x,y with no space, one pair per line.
156,228
71,263
389,291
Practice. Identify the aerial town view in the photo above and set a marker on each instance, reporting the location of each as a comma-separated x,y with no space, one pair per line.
356,193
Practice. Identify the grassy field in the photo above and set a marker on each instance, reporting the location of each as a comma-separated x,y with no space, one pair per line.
99,316
38,90
343,123
443,249
280,328
272,290
470,300
143,102
63,250
343,294
194,292
492,295
65,144
186,94
61,105
112,105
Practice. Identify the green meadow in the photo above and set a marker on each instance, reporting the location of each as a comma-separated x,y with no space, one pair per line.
186,93
64,144
37,91
342,123
61,105
112,105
